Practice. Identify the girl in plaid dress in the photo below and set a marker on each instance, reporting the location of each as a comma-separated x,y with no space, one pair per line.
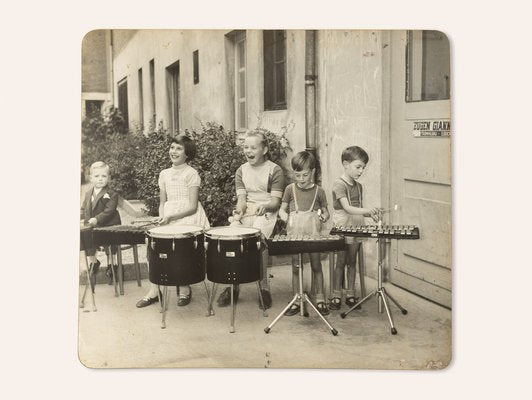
179,204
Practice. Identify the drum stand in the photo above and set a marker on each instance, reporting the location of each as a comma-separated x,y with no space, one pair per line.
87,285
210,310
302,297
164,300
380,292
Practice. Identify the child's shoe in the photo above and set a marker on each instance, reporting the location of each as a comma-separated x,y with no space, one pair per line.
293,310
322,308
93,269
109,273
350,301
335,303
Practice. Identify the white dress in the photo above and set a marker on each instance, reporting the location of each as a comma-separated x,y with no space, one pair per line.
177,182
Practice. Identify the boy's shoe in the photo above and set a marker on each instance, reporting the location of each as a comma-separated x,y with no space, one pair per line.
350,301
225,297
293,310
266,298
335,303
322,308
184,299
93,269
109,274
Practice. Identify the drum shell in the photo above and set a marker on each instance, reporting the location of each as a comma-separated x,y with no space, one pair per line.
237,261
176,262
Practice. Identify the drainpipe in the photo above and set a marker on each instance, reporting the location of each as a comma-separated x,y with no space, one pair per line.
111,68
310,96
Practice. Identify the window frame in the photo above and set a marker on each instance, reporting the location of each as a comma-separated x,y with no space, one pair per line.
270,75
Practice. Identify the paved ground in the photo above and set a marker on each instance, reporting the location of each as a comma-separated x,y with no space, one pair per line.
119,335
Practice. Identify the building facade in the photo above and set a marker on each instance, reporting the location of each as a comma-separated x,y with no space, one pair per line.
385,91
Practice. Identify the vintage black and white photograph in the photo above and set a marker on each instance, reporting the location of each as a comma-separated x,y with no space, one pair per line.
258,198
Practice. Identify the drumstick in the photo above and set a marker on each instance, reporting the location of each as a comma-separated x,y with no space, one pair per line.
394,208
143,225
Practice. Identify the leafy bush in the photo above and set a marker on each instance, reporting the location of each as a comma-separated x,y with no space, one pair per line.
105,138
153,159
137,159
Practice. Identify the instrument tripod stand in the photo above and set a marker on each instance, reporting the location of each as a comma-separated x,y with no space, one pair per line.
303,298
380,292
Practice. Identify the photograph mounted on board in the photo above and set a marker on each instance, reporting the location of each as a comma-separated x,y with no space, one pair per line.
265,199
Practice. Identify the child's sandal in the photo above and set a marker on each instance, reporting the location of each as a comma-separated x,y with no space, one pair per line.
293,310
335,303
351,301
322,308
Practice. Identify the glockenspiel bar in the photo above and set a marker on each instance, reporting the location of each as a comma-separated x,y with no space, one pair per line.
378,231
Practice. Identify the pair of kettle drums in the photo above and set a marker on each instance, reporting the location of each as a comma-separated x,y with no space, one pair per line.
179,254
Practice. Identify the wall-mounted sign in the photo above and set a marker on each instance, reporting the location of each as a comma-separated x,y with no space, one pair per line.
432,128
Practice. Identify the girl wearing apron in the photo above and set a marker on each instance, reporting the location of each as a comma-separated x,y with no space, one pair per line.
306,205
259,188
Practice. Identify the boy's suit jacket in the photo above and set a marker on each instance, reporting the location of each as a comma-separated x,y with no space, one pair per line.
103,208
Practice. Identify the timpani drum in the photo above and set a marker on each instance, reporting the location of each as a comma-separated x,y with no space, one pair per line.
176,255
233,254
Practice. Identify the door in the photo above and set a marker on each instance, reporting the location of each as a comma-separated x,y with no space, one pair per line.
420,162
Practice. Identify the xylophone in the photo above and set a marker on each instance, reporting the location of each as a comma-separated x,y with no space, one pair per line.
379,231
120,234
116,235
287,244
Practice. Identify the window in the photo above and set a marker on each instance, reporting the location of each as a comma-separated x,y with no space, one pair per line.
152,93
427,66
141,100
274,70
195,60
122,101
240,81
93,107
174,95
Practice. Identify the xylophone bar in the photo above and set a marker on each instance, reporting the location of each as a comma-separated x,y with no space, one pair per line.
112,235
378,231
119,234
283,244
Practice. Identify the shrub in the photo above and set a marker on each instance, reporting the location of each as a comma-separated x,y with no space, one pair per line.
152,160
105,138
136,160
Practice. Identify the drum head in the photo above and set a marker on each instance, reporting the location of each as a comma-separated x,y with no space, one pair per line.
175,231
231,232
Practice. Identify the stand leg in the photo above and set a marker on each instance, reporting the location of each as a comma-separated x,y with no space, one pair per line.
394,331
161,299
233,306
302,297
88,285
113,272
362,270
380,253
358,304
264,312
302,311
165,306
210,310
331,272
120,270
137,265
403,311
333,331
294,299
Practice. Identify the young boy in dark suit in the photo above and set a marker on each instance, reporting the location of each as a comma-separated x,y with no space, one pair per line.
99,209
